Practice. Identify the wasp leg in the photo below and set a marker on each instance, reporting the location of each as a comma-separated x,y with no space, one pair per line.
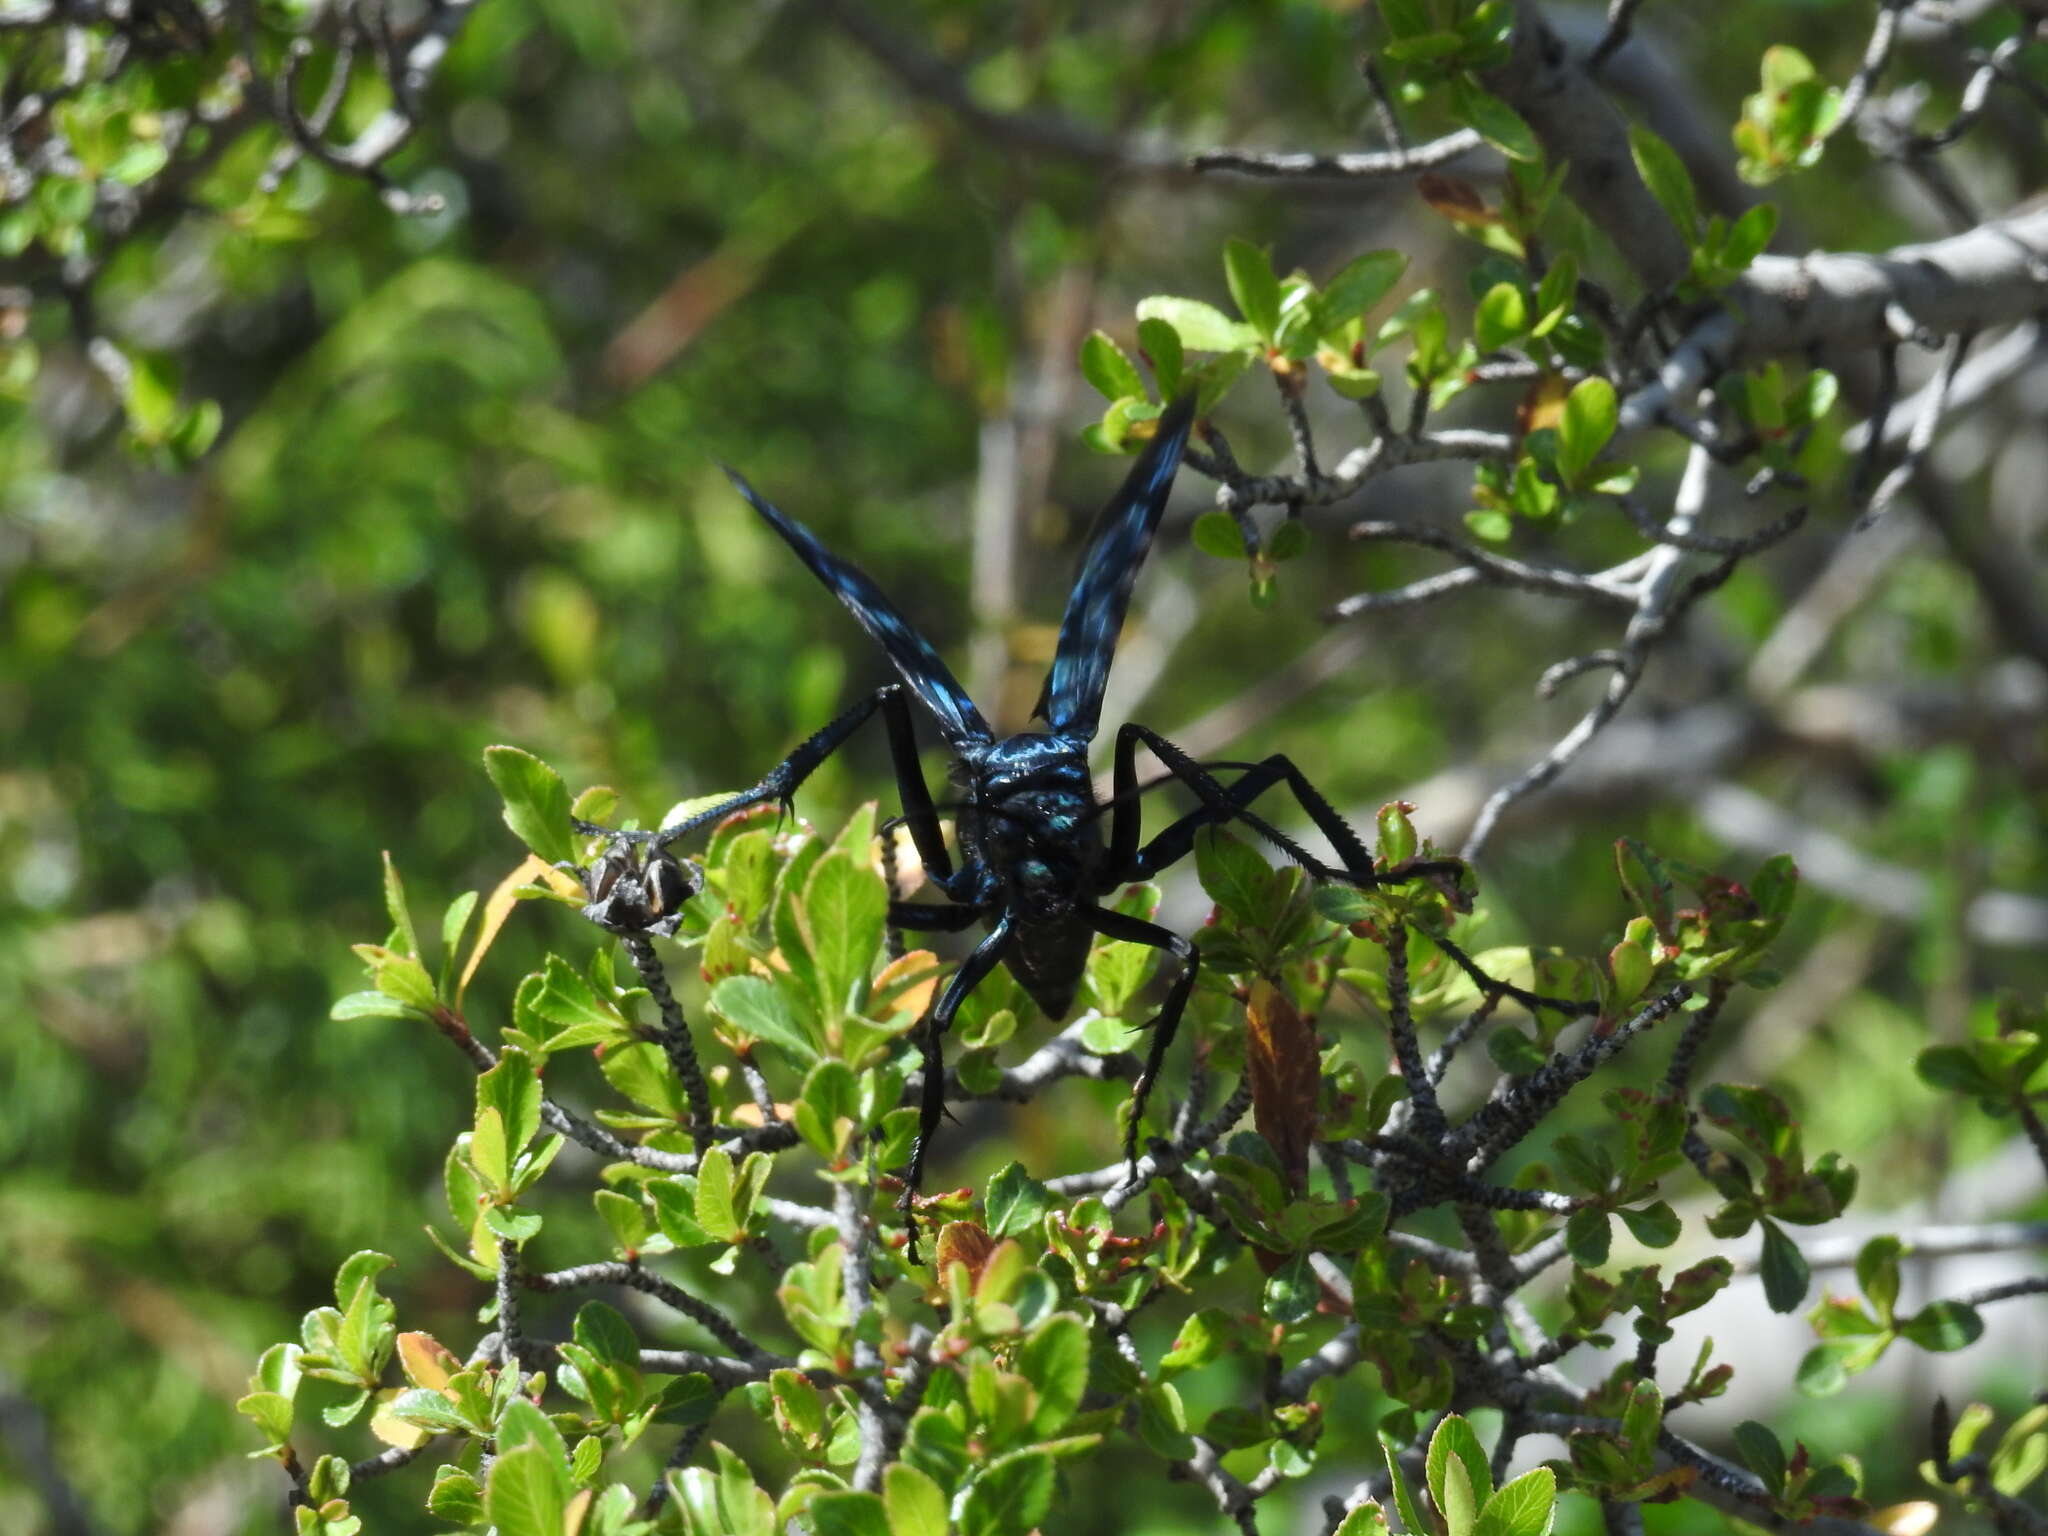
1166,1024
932,1104
1221,804
1224,804
930,917
781,782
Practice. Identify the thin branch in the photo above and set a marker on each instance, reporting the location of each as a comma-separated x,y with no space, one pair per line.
924,74
849,1210
1926,422
1621,16
666,1291
675,1039
1292,165
1501,1122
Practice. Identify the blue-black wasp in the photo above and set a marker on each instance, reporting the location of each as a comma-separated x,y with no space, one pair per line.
1034,861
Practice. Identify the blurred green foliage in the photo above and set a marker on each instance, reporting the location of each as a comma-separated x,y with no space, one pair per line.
463,492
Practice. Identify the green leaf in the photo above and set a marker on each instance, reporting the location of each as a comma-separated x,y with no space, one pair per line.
1654,1226
836,1512
1015,1202
1361,284
1588,1237
1493,526
1104,365
1761,1453
1292,1291
1233,874
605,1332
371,1005
915,1505
1404,1500
152,399
1367,1519
1877,1273
1217,533
511,1223
1827,1367
403,978
1783,67
1557,293
1054,1359
687,1400
1289,541
528,1493
844,909
1943,1326
1249,271
1455,1443
523,1424
1455,1501
272,1413
456,1497
1013,1494
1668,180
1956,1069
1160,343
1783,1268
1642,1417
755,1006
1404,18
675,1211
1748,236
1502,316
1590,415
1163,1422
536,801
401,915
513,1089
1494,120
1201,1339
1201,327
566,1000
715,1211
1525,1507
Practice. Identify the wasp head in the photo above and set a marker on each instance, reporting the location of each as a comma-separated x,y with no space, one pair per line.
638,888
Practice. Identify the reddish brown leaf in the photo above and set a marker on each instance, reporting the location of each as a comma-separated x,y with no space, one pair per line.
1280,1055
964,1242
1457,200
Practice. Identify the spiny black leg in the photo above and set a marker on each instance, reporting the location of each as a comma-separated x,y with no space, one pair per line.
892,931
1166,1024
779,784
1222,804
930,917
932,1103
1492,985
919,814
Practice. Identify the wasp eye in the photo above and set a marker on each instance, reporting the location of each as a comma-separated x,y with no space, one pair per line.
668,887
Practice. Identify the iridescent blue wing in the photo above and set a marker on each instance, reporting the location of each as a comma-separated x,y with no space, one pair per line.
915,660
1072,701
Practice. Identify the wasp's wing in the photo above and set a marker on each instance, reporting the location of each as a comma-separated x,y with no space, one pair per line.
913,655
1072,701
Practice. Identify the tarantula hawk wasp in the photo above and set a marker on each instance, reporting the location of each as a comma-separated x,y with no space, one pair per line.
1034,862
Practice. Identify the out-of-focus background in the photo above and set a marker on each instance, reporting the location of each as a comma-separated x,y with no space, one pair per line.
465,491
